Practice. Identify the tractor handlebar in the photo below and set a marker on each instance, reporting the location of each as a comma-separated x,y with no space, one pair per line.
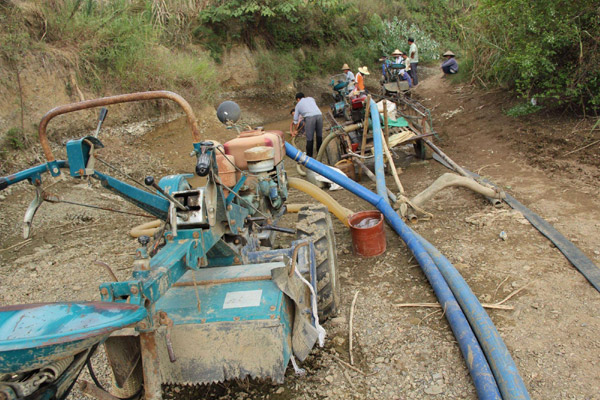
122,98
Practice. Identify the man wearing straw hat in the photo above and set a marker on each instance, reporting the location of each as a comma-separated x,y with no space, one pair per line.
349,77
360,80
450,66
397,54
405,72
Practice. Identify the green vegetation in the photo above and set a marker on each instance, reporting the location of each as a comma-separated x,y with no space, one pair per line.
393,35
522,109
15,139
130,45
547,49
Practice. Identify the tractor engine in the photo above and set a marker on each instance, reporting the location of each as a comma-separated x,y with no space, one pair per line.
258,153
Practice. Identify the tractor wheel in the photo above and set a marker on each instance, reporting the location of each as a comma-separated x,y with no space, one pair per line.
315,222
132,384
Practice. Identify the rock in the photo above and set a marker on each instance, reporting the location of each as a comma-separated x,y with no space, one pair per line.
338,341
329,378
379,360
461,266
338,320
435,389
280,390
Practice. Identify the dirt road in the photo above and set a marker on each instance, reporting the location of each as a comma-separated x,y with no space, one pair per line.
403,352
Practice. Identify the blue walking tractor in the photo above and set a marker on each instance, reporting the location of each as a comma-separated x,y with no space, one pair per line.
210,298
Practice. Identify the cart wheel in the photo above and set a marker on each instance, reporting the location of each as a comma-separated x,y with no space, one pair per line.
333,151
315,222
422,151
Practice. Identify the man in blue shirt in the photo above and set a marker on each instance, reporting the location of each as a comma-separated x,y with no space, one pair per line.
313,121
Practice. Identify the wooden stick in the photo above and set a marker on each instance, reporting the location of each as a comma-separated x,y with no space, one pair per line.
512,294
365,130
392,165
352,367
427,316
495,306
498,287
386,125
348,378
350,327
581,148
24,242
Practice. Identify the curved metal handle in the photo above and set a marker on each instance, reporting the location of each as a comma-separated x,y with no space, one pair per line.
122,98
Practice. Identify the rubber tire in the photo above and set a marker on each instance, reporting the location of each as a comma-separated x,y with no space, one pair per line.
315,222
132,385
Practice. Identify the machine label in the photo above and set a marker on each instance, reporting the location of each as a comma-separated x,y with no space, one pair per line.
247,298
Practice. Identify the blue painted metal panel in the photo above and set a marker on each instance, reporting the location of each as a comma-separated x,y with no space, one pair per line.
78,154
235,189
175,183
33,335
230,301
155,205
33,174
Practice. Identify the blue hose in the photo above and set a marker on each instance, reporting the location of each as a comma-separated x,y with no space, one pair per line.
505,371
483,379
378,152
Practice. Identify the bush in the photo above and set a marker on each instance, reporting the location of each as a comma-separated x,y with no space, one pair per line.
15,139
395,34
522,109
543,48
276,68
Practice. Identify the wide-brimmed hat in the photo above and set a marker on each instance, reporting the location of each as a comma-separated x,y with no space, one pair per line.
448,54
397,53
345,66
364,70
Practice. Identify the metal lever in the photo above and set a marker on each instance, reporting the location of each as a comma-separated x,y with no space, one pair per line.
149,181
278,229
101,117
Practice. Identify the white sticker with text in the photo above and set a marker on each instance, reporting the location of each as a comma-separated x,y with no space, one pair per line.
248,298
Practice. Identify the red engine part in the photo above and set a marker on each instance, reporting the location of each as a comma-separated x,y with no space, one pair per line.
359,102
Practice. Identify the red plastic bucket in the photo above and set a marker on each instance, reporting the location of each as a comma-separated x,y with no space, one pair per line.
367,241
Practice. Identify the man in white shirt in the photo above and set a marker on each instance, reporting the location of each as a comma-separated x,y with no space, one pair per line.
413,53
313,121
